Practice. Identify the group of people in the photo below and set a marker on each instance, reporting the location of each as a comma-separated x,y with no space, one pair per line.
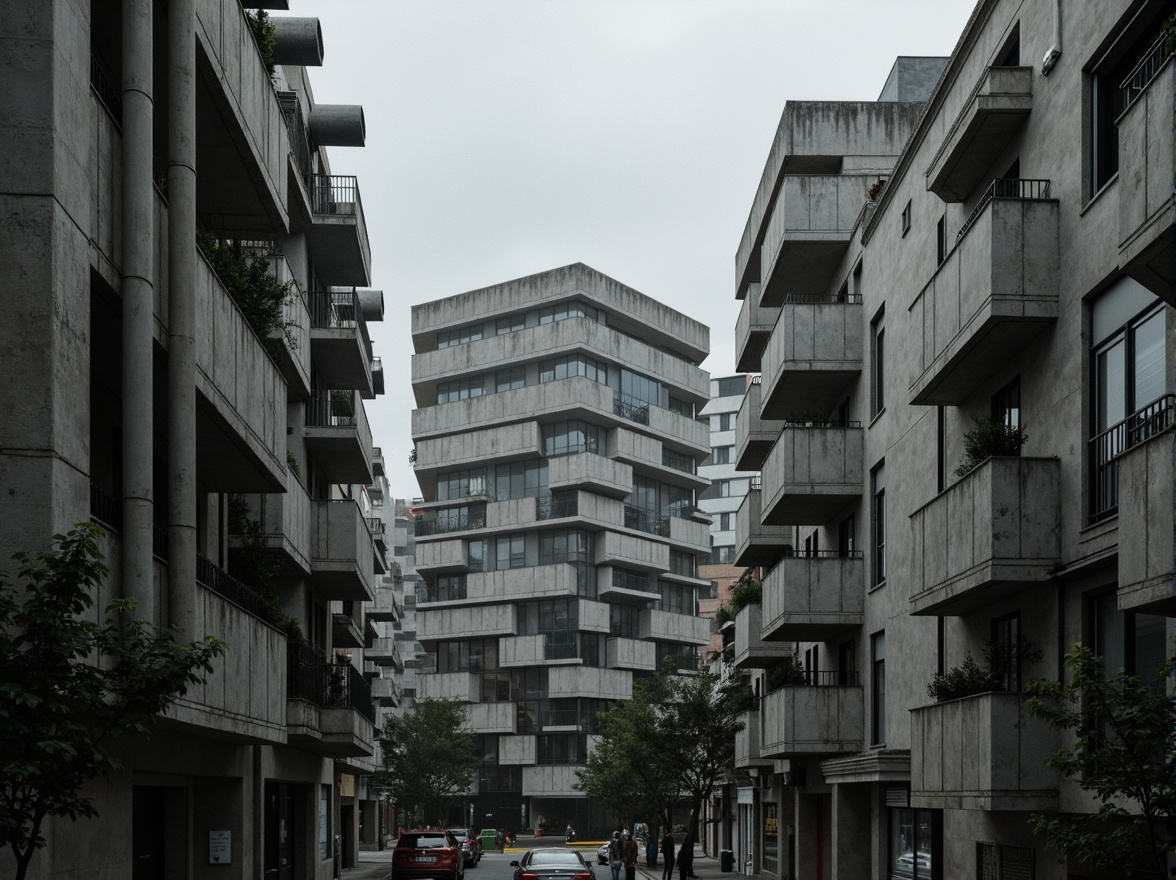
622,853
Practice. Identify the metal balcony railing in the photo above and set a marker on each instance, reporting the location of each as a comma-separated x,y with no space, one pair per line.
679,461
444,524
631,408
1143,73
332,409
631,580
561,645
848,299
450,589
648,521
376,527
312,677
556,506
756,483
335,194
802,553
339,309
1105,449
220,581
103,83
105,508
1013,189
296,129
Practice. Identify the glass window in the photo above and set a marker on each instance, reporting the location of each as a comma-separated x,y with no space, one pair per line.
771,841
506,380
1006,637
573,436
878,482
510,324
510,551
877,365
915,844
1006,404
878,681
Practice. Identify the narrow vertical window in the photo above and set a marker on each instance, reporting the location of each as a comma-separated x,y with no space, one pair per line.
940,449
906,218
941,240
878,486
878,688
877,364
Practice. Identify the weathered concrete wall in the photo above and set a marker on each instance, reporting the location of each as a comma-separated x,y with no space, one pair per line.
505,442
630,551
517,750
465,623
559,781
580,681
811,598
449,686
1147,526
439,556
522,651
590,471
490,717
664,626
342,544
813,720
631,654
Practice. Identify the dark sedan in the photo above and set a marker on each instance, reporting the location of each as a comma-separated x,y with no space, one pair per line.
552,863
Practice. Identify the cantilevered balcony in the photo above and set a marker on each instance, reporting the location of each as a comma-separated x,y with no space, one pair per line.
814,354
384,652
377,376
811,474
592,472
752,329
982,753
626,586
823,718
386,692
338,434
754,435
345,631
995,112
755,543
808,233
1147,173
990,535
994,292
385,606
664,626
814,596
286,521
1147,541
337,234
342,552
747,743
380,544
377,462
339,340
329,706
751,651
632,654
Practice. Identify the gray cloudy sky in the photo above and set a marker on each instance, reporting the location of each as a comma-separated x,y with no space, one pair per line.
507,137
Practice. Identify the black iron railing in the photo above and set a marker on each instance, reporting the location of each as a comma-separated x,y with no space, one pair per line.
312,677
376,527
756,484
332,409
296,129
631,408
631,580
443,524
1143,72
450,589
105,508
335,194
800,424
561,645
339,310
801,553
102,81
679,461
1010,188
847,299
648,521
557,506
220,581
1105,449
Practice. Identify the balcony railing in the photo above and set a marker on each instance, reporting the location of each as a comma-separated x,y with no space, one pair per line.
1006,188
557,506
311,677
102,81
631,408
756,483
339,310
822,298
220,581
105,508
679,461
332,409
631,580
296,129
376,527
456,522
1105,449
1143,72
453,588
561,645
335,194
802,553
648,521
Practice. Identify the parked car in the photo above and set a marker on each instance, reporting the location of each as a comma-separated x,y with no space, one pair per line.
427,855
471,845
552,863
602,853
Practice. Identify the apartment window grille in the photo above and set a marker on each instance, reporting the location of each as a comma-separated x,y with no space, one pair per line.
878,485
878,365
627,579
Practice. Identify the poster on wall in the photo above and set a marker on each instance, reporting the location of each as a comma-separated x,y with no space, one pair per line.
220,847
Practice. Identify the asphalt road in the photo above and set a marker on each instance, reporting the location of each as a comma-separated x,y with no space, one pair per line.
494,865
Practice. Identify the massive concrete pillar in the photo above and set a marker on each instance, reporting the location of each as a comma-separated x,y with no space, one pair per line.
138,253
851,830
181,292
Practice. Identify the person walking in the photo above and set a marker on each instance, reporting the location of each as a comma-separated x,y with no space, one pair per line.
686,859
630,857
616,855
667,851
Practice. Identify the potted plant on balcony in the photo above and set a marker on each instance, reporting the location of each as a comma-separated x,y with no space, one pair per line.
989,437
971,678
790,673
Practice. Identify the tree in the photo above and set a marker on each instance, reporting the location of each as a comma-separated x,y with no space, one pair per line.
429,758
673,740
68,686
1124,753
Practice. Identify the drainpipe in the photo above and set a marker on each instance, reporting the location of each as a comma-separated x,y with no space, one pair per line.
1054,52
138,302
181,315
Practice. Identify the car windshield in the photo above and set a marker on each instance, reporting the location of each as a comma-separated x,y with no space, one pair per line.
423,841
556,857
461,833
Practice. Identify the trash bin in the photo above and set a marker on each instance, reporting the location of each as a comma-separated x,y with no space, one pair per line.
488,836
726,860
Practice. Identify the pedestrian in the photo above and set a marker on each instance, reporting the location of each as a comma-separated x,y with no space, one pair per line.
500,841
686,859
650,852
629,855
667,851
569,834
616,855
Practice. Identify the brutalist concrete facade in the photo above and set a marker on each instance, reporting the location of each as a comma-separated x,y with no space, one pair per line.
558,538
1010,258
139,396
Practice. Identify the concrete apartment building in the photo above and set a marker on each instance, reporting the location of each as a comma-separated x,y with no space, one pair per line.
1018,262
139,396
559,538
722,498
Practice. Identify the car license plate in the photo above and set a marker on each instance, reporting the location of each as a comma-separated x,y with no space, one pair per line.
424,858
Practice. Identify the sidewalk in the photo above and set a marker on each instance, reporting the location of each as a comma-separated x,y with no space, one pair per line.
705,868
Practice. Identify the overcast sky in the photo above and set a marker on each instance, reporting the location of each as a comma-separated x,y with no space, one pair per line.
508,137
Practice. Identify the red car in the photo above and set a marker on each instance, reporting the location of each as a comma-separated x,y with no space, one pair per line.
428,855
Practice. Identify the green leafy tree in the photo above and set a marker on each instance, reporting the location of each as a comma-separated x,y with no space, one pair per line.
429,758
68,686
673,740
1124,753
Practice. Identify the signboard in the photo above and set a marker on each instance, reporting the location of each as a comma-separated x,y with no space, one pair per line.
220,847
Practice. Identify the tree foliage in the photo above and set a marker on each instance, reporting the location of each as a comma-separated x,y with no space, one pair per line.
1124,753
673,740
429,758
69,685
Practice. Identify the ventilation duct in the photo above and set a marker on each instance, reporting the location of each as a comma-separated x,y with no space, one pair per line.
371,303
298,41
337,125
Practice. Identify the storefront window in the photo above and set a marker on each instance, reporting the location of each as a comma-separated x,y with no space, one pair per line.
914,845
771,837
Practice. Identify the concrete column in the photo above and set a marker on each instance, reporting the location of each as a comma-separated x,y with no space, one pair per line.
851,830
138,250
181,292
